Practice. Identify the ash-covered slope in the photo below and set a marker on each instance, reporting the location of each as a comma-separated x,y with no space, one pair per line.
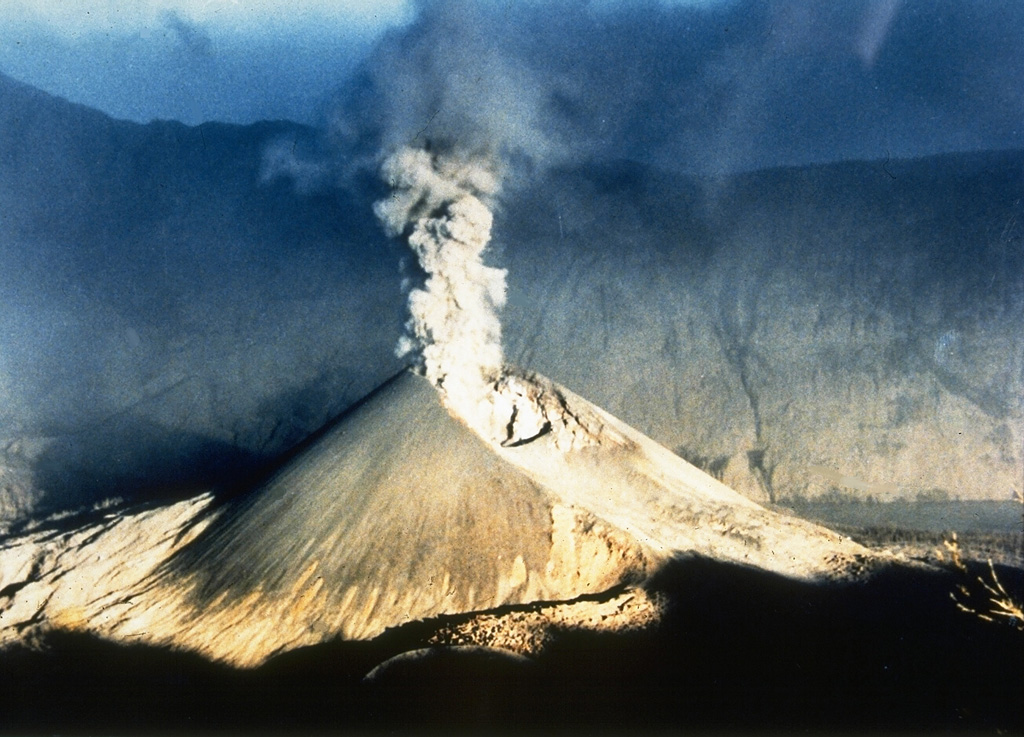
399,513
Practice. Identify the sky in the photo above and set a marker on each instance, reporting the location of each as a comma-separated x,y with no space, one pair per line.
236,61
192,60
709,85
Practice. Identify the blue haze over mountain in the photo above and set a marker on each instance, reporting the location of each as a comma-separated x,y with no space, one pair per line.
712,86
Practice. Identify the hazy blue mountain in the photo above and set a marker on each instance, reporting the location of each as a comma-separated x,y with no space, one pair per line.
167,315
171,316
850,326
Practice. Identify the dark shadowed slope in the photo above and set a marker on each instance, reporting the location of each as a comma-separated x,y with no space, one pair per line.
162,299
737,650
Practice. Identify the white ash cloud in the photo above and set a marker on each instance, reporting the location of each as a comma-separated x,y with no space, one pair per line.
454,328
440,203
423,182
452,79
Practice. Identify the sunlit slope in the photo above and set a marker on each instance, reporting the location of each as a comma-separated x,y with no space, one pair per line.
396,514
399,513
670,505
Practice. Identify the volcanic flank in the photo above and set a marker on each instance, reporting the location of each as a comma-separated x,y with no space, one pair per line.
398,513
402,511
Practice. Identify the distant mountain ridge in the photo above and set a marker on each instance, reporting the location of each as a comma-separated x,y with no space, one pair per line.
148,274
172,318
856,316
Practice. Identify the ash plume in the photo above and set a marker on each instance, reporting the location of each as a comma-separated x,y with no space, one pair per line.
438,202
441,204
473,96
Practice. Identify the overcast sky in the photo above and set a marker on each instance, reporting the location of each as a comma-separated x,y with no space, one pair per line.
197,60
717,84
192,60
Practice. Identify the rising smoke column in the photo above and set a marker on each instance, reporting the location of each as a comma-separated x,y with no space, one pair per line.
439,201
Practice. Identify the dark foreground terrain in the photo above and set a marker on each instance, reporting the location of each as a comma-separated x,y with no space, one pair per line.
737,650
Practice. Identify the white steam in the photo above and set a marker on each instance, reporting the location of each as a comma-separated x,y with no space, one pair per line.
440,203
454,325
